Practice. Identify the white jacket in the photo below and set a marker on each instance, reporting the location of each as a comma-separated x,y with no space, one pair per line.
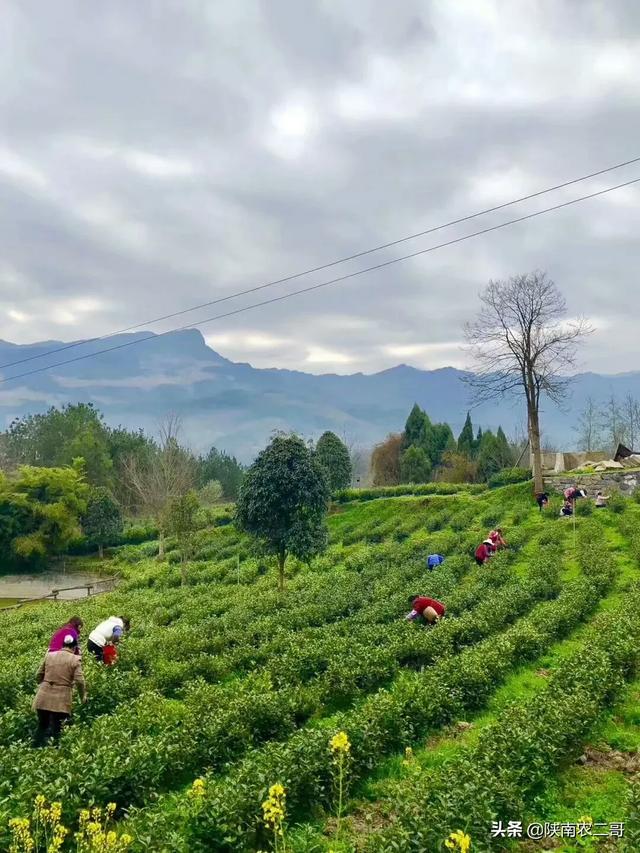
104,631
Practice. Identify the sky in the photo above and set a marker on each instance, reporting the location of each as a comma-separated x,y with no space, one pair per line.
155,156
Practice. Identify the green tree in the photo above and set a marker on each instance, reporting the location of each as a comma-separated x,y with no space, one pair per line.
415,466
477,442
211,493
333,456
494,454
465,439
440,440
457,468
506,455
415,429
283,501
40,510
102,520
59,436
182,523
217,465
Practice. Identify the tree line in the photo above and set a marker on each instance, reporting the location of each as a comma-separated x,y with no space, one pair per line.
60,435
426,451
606,424
66,476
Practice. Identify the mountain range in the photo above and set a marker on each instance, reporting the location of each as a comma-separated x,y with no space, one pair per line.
236,406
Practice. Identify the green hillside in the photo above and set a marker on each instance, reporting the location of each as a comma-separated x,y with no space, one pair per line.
481,718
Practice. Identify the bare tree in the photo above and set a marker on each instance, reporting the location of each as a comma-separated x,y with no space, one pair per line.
360,459
614,423
631,417
589,427
521,343
157,480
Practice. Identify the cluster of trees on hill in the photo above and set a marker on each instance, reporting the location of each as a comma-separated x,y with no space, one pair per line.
427,451
57,437
603,425
66,473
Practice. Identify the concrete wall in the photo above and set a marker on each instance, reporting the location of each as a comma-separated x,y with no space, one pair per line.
625,482
559,462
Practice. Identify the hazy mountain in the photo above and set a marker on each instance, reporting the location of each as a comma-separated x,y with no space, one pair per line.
236,406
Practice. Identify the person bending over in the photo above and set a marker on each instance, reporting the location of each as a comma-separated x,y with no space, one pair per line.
484,552
429,610
111,630
73,627
434,560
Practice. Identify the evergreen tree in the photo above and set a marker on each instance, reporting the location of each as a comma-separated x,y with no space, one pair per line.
494,454
441,439
415,428
415,466
465,439
477,442
333,455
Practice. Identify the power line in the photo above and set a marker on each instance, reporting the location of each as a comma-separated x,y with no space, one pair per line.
311,288
319,268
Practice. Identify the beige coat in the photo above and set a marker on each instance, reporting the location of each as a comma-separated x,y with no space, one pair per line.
57,675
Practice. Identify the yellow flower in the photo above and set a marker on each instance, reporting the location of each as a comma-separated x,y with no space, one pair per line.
586,819
340,743
111,807
273,808
126,840
57,840
198,788
21,838
55,812
458,840
84,816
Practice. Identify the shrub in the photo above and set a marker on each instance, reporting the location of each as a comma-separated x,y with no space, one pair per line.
617,503
509,476
584,507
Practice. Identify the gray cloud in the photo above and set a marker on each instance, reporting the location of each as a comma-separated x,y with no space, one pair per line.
153,157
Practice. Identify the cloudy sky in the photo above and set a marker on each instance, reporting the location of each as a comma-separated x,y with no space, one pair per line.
154,156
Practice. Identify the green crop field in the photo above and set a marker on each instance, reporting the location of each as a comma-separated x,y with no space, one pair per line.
522,705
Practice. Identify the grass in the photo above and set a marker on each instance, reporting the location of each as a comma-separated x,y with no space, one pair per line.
359,532
597,791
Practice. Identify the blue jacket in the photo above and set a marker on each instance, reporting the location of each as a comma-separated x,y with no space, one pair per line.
434,560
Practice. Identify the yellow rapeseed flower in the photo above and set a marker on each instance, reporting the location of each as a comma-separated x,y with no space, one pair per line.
111,807
340,743
59,835
21,838
458,840
198,788
55,812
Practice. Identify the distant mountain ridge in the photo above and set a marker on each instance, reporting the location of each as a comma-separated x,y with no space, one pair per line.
236,406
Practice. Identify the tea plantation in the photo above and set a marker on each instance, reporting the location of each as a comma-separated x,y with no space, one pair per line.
225,689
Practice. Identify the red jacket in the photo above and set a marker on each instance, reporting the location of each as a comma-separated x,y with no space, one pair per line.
422,602
483,552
